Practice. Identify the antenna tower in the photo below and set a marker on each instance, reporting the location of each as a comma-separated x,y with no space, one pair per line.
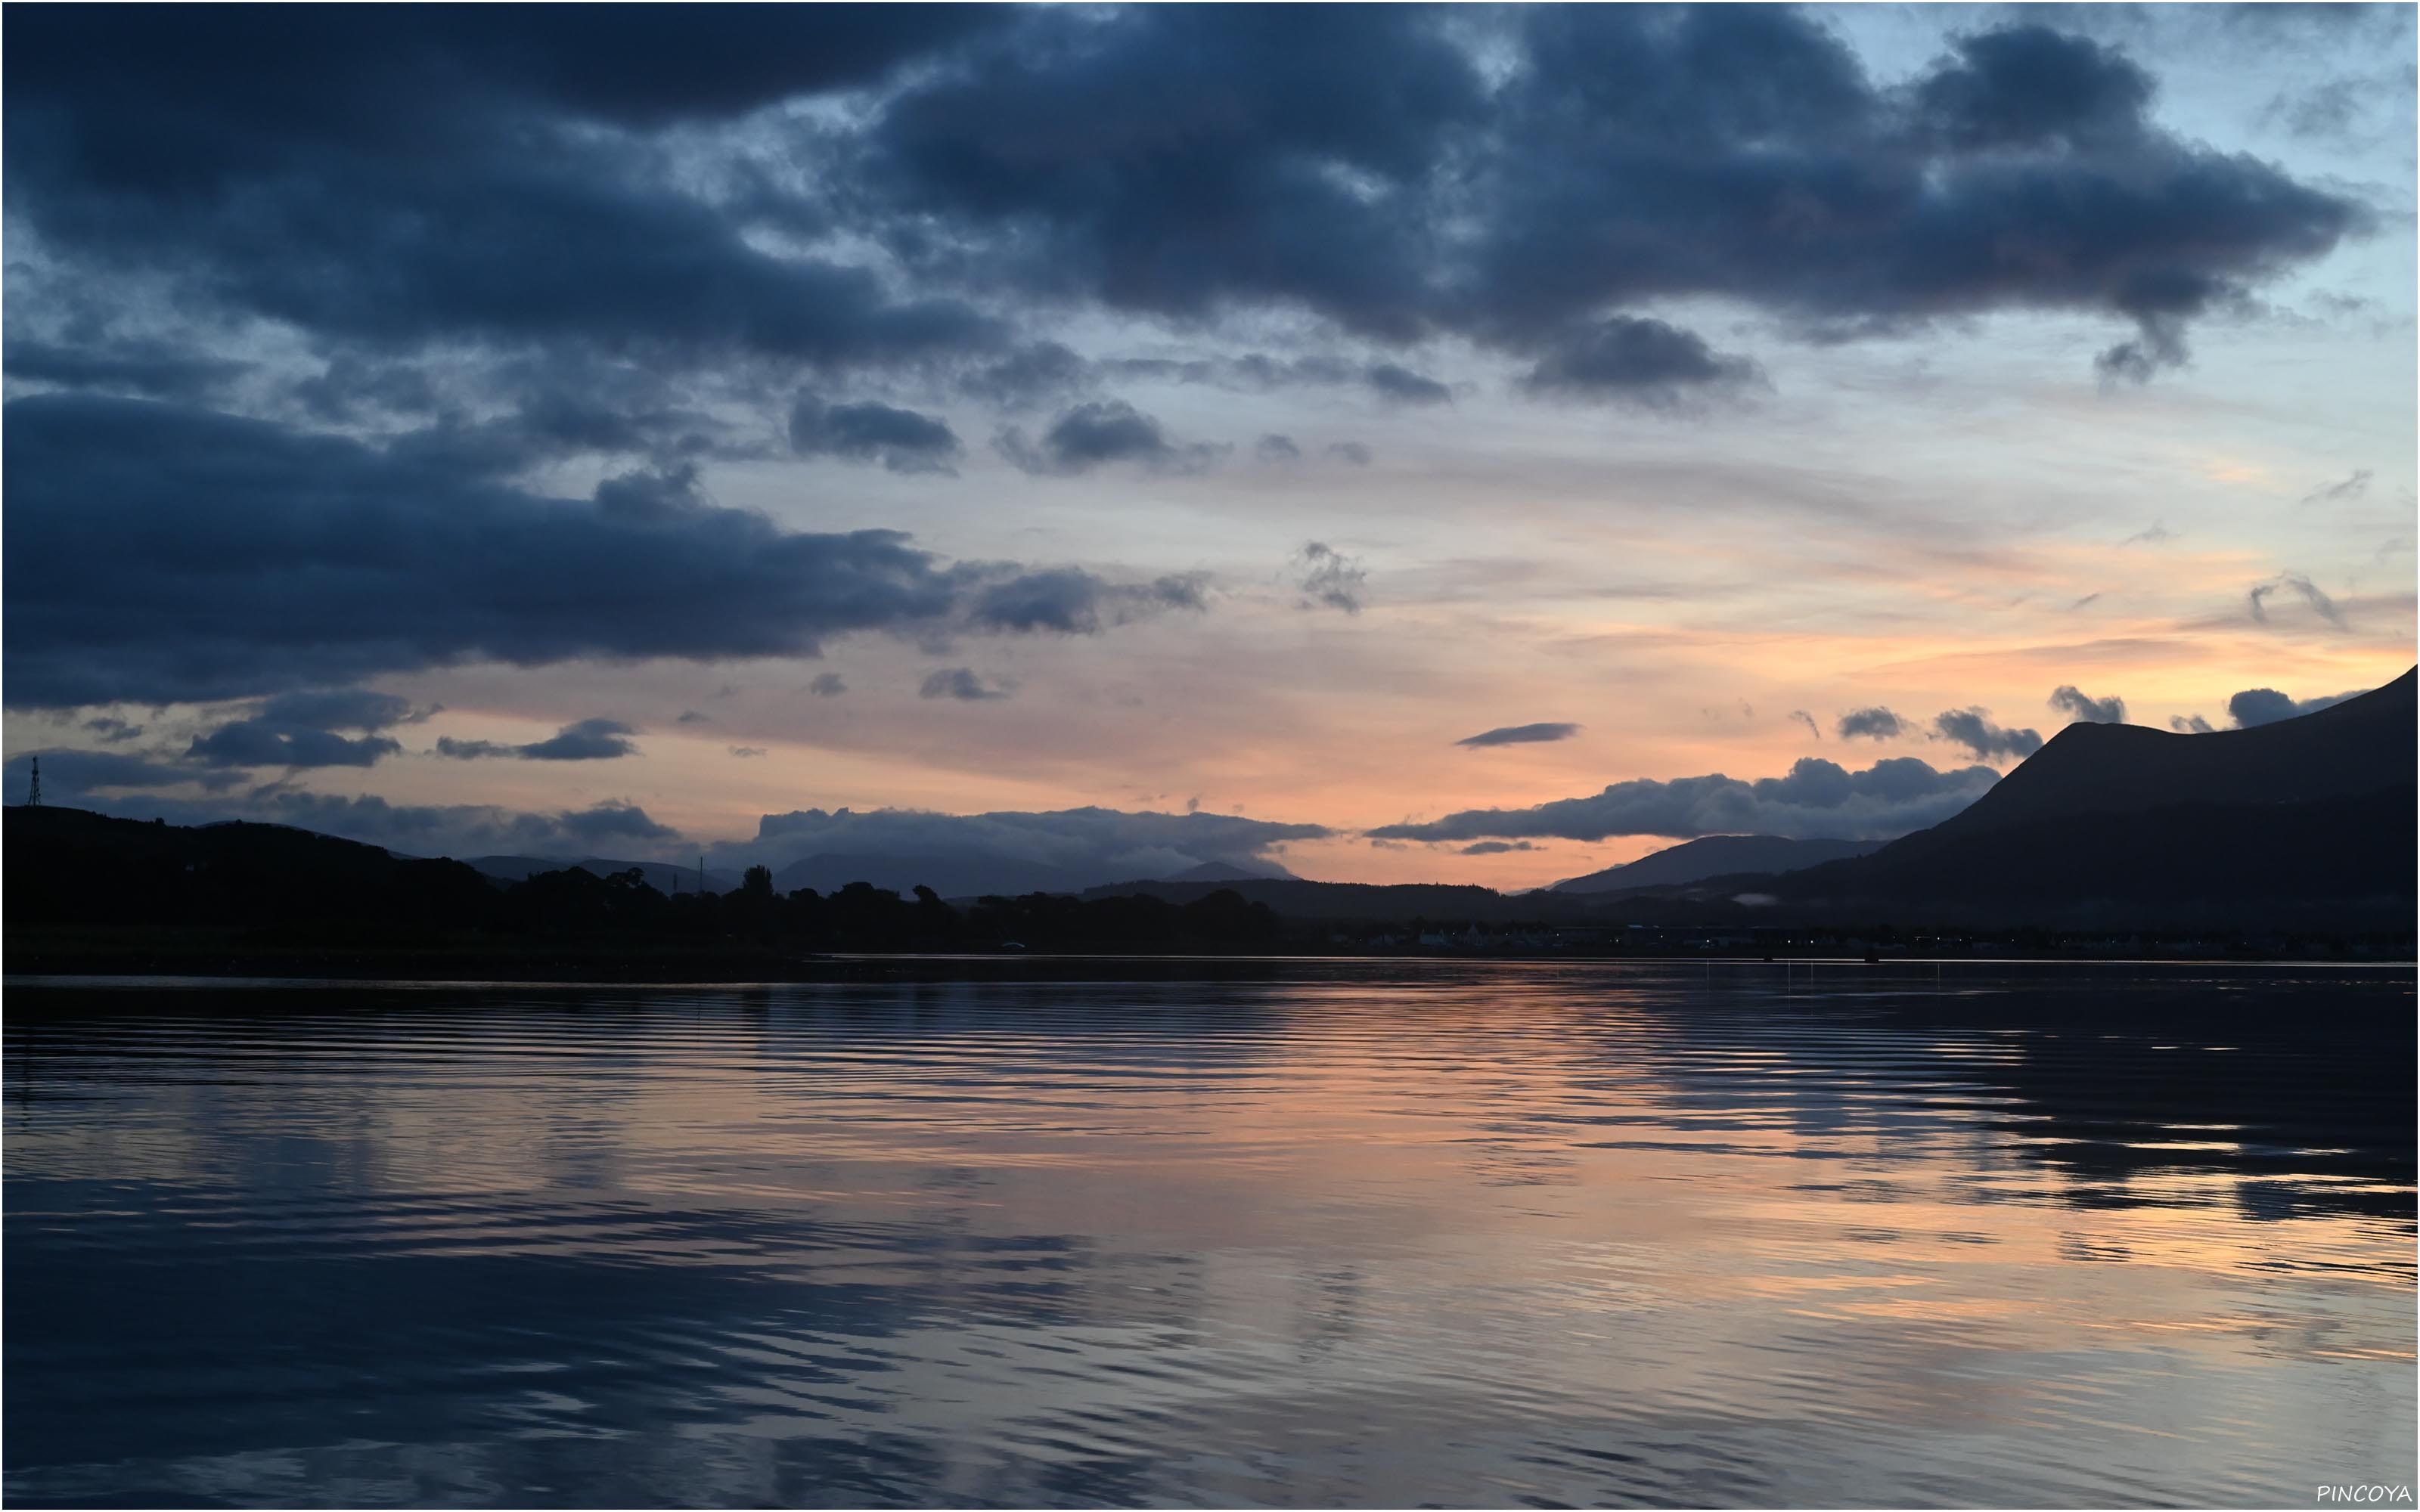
33,794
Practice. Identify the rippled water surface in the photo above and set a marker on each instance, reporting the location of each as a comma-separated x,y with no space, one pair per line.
1347,1234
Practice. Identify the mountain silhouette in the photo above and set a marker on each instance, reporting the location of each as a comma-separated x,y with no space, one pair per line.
1716,856
2304,822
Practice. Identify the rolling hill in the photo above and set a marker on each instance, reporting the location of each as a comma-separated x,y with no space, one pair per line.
1715,856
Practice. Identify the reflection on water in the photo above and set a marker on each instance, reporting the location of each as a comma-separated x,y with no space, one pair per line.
1378,1233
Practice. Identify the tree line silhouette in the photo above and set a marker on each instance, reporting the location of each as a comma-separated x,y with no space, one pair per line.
69,867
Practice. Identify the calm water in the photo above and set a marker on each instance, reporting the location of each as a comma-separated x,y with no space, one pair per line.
1324,1235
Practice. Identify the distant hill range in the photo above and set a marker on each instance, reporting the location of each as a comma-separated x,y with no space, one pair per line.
1715,856
665,876
2306,824
2302,822
965,874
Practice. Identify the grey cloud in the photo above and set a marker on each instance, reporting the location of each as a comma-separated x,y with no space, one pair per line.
1352,453
1974,730
2189,724
113,729
1873,723
1404,386
1277,448
1521,735
958,682
2321,603
257,743
1808,720
588,740
1103,432
692,716
2352,486
828,685
1012,851
1071,601
2255,707
1498,847
1035,373
1819,799
85,778
240,558
341,708
901,439
1633,361
2068,699
2152,535
298,730
747,750
1331,578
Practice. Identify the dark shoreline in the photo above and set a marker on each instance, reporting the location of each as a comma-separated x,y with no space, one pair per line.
66,965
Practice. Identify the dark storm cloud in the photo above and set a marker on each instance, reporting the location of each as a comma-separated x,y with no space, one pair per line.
341,708
1873,723
570,409
394,179
1634,361
1521,735
1818,799
151,369
113,729
1074,602
300,729
1330,578
2028,86
1974,730
163,554
2255,707
900,439
958,682
2069,699
254,742
1106,431
588,740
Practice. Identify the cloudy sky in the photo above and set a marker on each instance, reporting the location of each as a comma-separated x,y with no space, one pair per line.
1448,443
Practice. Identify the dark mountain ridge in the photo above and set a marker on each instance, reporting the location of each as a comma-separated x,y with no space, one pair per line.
2299,822
1716,856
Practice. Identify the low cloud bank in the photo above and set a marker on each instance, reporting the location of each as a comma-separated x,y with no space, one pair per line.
1818,799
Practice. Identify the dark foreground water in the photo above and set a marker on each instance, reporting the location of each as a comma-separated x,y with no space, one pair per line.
1328,1235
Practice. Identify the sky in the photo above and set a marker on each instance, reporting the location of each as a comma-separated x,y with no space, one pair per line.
1436,444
